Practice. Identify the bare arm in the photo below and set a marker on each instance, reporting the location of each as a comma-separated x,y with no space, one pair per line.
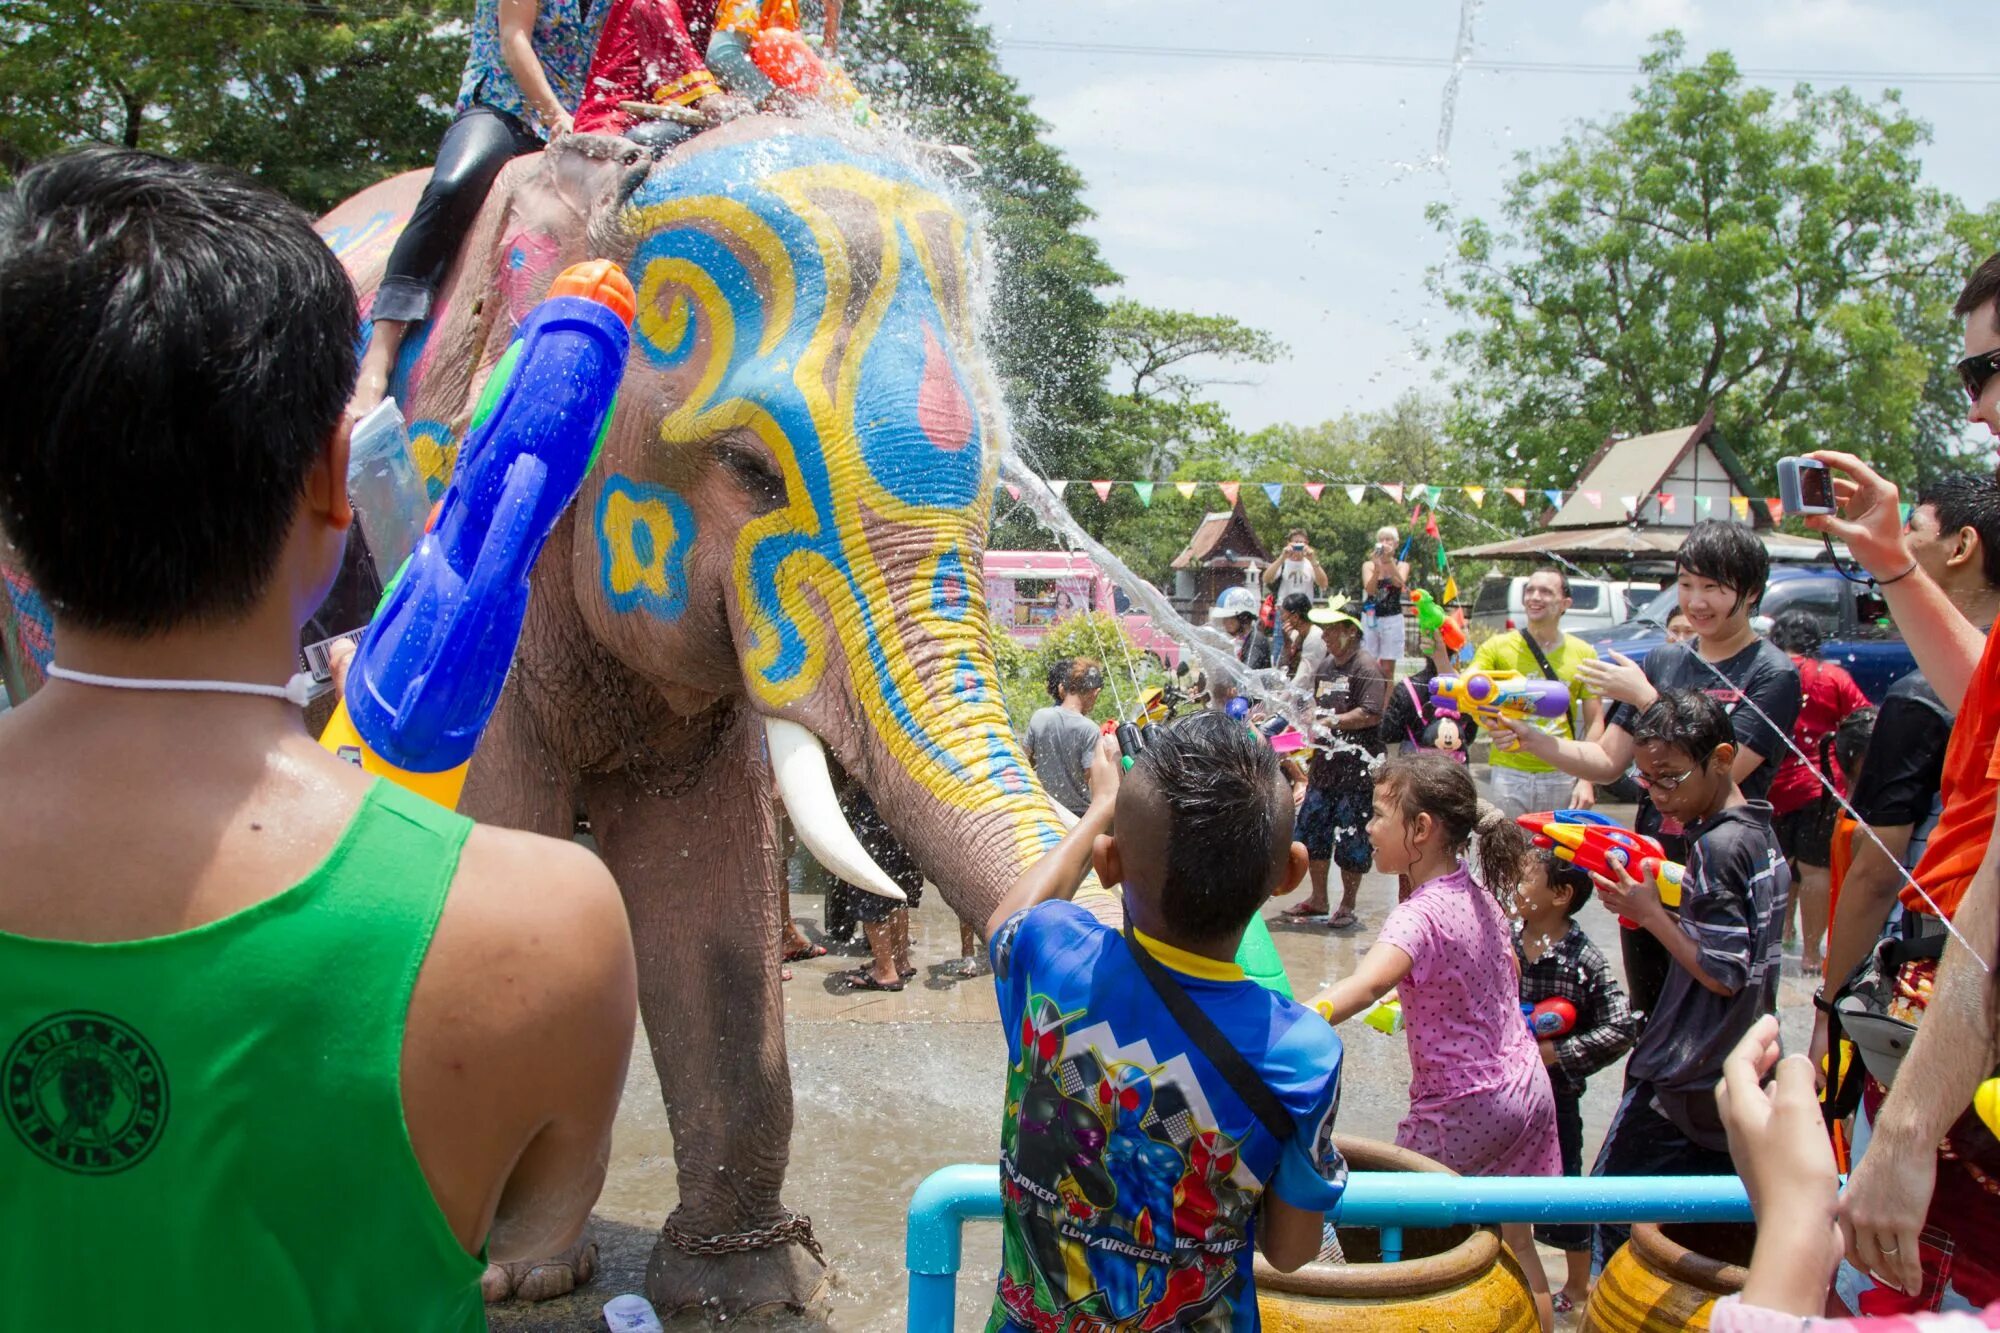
1890,1191
1378,973
1873,880
1601,760
1289,1237
1946,645
1747,761
1640,904
1272,571
1058,873
517,47
1319,575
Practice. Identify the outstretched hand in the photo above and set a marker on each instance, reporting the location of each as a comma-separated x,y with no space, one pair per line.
1618,677
1870,518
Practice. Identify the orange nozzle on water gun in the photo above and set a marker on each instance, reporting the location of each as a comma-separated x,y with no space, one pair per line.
1588,839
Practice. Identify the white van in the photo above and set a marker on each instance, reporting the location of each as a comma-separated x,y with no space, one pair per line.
1595,604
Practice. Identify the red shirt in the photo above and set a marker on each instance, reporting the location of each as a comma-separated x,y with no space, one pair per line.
1827,694
1971,775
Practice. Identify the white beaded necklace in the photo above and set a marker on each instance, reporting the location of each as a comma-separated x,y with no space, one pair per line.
298,690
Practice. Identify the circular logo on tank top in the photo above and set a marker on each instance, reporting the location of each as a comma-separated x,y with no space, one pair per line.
85,1092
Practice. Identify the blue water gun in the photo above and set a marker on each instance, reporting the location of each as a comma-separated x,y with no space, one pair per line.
428,673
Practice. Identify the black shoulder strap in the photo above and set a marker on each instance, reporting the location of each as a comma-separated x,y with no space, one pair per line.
1208,1039
1541,658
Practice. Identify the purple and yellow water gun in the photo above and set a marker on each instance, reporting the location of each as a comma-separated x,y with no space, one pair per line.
1491,695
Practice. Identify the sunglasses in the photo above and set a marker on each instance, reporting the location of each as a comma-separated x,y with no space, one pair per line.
1975,371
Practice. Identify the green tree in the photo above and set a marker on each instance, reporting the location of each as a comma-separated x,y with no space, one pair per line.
1778,258
315,100
1160,413
932,64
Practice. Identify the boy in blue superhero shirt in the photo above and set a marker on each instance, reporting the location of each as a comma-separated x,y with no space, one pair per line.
1137,1177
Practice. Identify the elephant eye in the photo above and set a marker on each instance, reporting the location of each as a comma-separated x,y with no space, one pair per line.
756,475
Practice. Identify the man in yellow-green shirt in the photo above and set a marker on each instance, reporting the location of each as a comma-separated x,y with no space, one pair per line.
1522,783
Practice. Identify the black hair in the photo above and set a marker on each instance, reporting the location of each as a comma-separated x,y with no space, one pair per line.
1433,785
1981,289
1798,633
1687,720
1228,821
1562,575
1058,673
1083,676
1965,500
178,348
1728,553
1297,604
1850,739
1569,875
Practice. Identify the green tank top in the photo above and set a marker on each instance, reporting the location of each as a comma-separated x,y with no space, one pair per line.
205,1130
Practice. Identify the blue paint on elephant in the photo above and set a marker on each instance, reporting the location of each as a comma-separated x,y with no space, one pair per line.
951,597
644,534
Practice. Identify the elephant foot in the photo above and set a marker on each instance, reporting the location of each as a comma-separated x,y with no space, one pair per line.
784,1275
541,1279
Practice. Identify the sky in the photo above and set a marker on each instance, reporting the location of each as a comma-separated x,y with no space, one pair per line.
1291,194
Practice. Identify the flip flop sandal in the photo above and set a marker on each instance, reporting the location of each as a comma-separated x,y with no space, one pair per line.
862,979
801,955
1562,1303
1342,920
1302,912
906,972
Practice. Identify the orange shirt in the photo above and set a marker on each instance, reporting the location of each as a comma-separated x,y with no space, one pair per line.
1971,775
1843,857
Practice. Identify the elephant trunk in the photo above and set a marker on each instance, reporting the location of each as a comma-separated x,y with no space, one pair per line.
950,781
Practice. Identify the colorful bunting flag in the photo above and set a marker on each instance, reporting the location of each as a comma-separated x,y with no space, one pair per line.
1739,505
1703,505
1450,593
1631,503
1229,490
1668,501
1905,510
1145,489
1393,492
1313,488
1354,493
1476,494
1013,490
1431,493
1186,488
1059,487
1518,494
1777,509
1555,499
1103,489
1272,490
1594,498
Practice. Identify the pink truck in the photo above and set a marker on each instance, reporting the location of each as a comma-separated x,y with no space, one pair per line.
1028,591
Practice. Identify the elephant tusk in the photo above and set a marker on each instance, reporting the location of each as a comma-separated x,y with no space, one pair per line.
798,761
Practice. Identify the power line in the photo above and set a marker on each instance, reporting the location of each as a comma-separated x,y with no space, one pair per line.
1491,64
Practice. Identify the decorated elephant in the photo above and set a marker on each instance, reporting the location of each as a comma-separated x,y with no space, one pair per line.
778,551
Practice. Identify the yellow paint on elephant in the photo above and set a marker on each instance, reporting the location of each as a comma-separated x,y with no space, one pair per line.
807,577
631,521
435,453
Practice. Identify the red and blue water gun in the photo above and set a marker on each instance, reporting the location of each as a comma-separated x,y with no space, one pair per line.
1588,839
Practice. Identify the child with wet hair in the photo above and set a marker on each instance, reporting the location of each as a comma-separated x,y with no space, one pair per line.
1479,1101
1557,961
1117,1111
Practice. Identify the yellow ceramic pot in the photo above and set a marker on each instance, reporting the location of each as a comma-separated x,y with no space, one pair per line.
1458,1278
1667,1278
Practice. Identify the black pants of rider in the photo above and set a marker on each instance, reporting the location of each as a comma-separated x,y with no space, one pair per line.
1643,1142
479,142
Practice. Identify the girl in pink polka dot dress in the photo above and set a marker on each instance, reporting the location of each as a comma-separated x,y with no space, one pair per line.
1480,1100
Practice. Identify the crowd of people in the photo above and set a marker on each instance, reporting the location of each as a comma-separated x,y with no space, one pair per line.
448,1109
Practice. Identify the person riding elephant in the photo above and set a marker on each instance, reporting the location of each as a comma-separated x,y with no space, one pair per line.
775,556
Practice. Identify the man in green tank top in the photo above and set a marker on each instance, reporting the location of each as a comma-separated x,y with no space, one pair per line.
281,1047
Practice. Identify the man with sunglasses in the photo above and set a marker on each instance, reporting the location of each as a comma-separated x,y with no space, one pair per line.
1904,1182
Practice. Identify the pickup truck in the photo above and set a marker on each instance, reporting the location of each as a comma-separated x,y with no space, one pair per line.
1858,632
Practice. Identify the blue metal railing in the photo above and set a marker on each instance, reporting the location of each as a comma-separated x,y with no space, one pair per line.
1385,1200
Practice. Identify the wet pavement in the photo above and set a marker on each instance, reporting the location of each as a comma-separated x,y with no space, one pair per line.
889,1087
